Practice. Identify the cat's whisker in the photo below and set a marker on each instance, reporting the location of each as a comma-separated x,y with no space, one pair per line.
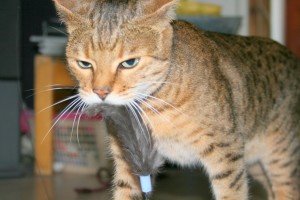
59,102
74,121
81,108
162,101
134,111
47,86
47,90
140,108
140,100
151,99
147,105
60,116
78,107
141,111
54,87
68,107
156,111
59,85
58,30
73,124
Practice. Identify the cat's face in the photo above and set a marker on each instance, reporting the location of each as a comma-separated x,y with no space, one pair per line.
118,61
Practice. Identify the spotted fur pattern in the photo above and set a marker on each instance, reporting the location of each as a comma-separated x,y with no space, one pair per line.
224,102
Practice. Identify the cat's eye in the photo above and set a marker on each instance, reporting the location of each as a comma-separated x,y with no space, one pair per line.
84,64
131,63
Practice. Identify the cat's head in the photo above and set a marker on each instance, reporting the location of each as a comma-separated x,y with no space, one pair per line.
118,50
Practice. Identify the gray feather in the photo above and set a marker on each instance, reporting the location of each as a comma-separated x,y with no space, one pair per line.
131,131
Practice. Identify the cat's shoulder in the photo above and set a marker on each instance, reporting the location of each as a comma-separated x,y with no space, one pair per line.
186,29
227,43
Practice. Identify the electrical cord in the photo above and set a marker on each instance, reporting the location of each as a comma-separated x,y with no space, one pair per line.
104,177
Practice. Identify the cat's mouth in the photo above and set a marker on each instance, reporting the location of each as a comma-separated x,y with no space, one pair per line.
92,98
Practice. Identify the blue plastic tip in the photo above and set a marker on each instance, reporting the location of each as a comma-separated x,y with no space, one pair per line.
146,183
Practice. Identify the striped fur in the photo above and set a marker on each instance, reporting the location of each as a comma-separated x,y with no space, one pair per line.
225,102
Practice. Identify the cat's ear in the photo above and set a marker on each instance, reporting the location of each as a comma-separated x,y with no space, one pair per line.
159,12
67,13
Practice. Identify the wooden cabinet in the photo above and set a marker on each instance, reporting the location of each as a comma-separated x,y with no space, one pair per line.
293,26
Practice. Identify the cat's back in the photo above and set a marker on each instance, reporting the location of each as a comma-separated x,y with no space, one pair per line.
252,62
260,74
255,51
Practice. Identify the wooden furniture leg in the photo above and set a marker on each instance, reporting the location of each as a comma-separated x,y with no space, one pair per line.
49,71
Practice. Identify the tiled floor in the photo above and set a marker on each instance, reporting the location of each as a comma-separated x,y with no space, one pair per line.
174,184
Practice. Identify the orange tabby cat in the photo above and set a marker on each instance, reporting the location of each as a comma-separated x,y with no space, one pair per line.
221,101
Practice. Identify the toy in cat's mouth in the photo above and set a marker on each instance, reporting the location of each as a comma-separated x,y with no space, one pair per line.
135,138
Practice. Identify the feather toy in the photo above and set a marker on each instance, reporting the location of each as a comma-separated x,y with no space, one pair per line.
135,138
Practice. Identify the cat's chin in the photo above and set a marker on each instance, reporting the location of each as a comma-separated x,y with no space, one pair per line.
90,99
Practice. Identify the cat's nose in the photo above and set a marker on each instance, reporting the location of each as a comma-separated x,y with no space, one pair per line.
103,92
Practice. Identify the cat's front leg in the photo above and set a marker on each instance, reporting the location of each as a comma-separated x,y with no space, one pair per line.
225,165
125,183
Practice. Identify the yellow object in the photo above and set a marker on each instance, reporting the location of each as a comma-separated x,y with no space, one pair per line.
196,8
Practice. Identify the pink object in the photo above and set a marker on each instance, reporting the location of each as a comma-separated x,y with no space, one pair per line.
73,115
26,115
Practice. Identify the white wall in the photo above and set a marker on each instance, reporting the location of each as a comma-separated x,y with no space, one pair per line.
278,20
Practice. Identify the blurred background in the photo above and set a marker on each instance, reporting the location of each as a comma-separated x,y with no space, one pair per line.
36,163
